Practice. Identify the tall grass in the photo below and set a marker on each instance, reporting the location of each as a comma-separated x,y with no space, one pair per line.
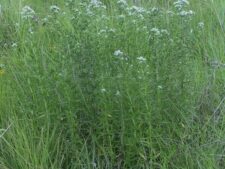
112,84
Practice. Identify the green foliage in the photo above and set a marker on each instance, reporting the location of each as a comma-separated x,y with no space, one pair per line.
105,85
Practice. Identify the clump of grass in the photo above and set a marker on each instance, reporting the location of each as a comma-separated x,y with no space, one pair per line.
102,84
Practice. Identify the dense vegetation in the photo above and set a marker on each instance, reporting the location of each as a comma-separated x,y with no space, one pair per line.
112,84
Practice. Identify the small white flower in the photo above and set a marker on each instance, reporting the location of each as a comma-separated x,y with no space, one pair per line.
94,165
97,4
171,13
141,59
94,1
156,31
141,16
134,21
103,90
154,9
160,87
118,53
145,27
181,2
30,30
2,66
45,20
164,31
27,12
112,30
201,24
89,12
117,93
102,31
17,25
104,17
54,9
14,45
140,77
171,40
121,17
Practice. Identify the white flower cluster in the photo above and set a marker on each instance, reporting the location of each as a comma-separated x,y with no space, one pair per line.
137,12
180,4
97,4
118,53
122,3
54,9
94,4
106,30
136,9
186,13
89,11
158,32
27,12
141,59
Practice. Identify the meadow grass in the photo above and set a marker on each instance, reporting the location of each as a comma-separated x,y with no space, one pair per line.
112,84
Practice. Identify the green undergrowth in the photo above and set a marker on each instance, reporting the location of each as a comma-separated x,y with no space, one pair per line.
112,84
